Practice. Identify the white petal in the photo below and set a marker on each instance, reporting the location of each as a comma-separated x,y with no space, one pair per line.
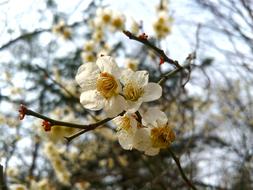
117,120
142,140
152,151
107,64
141,77
133,123
87,75
132,107
152,91
92,100
125,139
114,106
154,116
126,76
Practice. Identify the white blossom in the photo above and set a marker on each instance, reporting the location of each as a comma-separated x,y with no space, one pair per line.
126,128
155,134
100,86
137,89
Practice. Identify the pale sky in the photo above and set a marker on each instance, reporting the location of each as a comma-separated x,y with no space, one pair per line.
16,14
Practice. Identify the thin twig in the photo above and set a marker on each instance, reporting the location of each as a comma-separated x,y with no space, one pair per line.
147,43
35,33
70,138
169,74
176,159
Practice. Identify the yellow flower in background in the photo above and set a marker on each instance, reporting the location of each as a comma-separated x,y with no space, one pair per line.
61,29
89,46
162,24
59,165
132,64
88,57
118,22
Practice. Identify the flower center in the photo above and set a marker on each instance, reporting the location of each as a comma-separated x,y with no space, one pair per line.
124,123
162,137
132,91
106,18
107,85
117,23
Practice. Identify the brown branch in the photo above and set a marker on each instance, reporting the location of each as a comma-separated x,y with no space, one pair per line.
23,37
177,161
85,128
62,123
168,75
147,43
187,66
2,179
70,138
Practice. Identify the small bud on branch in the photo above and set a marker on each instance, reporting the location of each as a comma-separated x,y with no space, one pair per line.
22,112
143,36
161,61
47,125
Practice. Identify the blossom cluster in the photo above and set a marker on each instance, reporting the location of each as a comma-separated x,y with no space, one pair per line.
58,163
121,91
109,18
105,20
62,30
162,24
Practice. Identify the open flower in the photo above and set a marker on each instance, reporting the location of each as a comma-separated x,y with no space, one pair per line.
155,135
100,86
137,89
126,128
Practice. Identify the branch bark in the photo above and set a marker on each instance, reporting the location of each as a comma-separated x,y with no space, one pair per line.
177,161
147,43
2,179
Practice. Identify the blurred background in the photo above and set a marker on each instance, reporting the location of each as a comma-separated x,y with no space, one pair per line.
42,44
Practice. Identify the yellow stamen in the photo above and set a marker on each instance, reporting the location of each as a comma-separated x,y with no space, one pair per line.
124,123
132,92
107,85
162,136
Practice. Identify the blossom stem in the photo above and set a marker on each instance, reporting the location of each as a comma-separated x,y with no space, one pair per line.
139,118
177,161
70,138
159,51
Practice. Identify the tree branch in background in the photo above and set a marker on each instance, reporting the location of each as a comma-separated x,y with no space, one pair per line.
34,156
187,66
177,161
2,179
